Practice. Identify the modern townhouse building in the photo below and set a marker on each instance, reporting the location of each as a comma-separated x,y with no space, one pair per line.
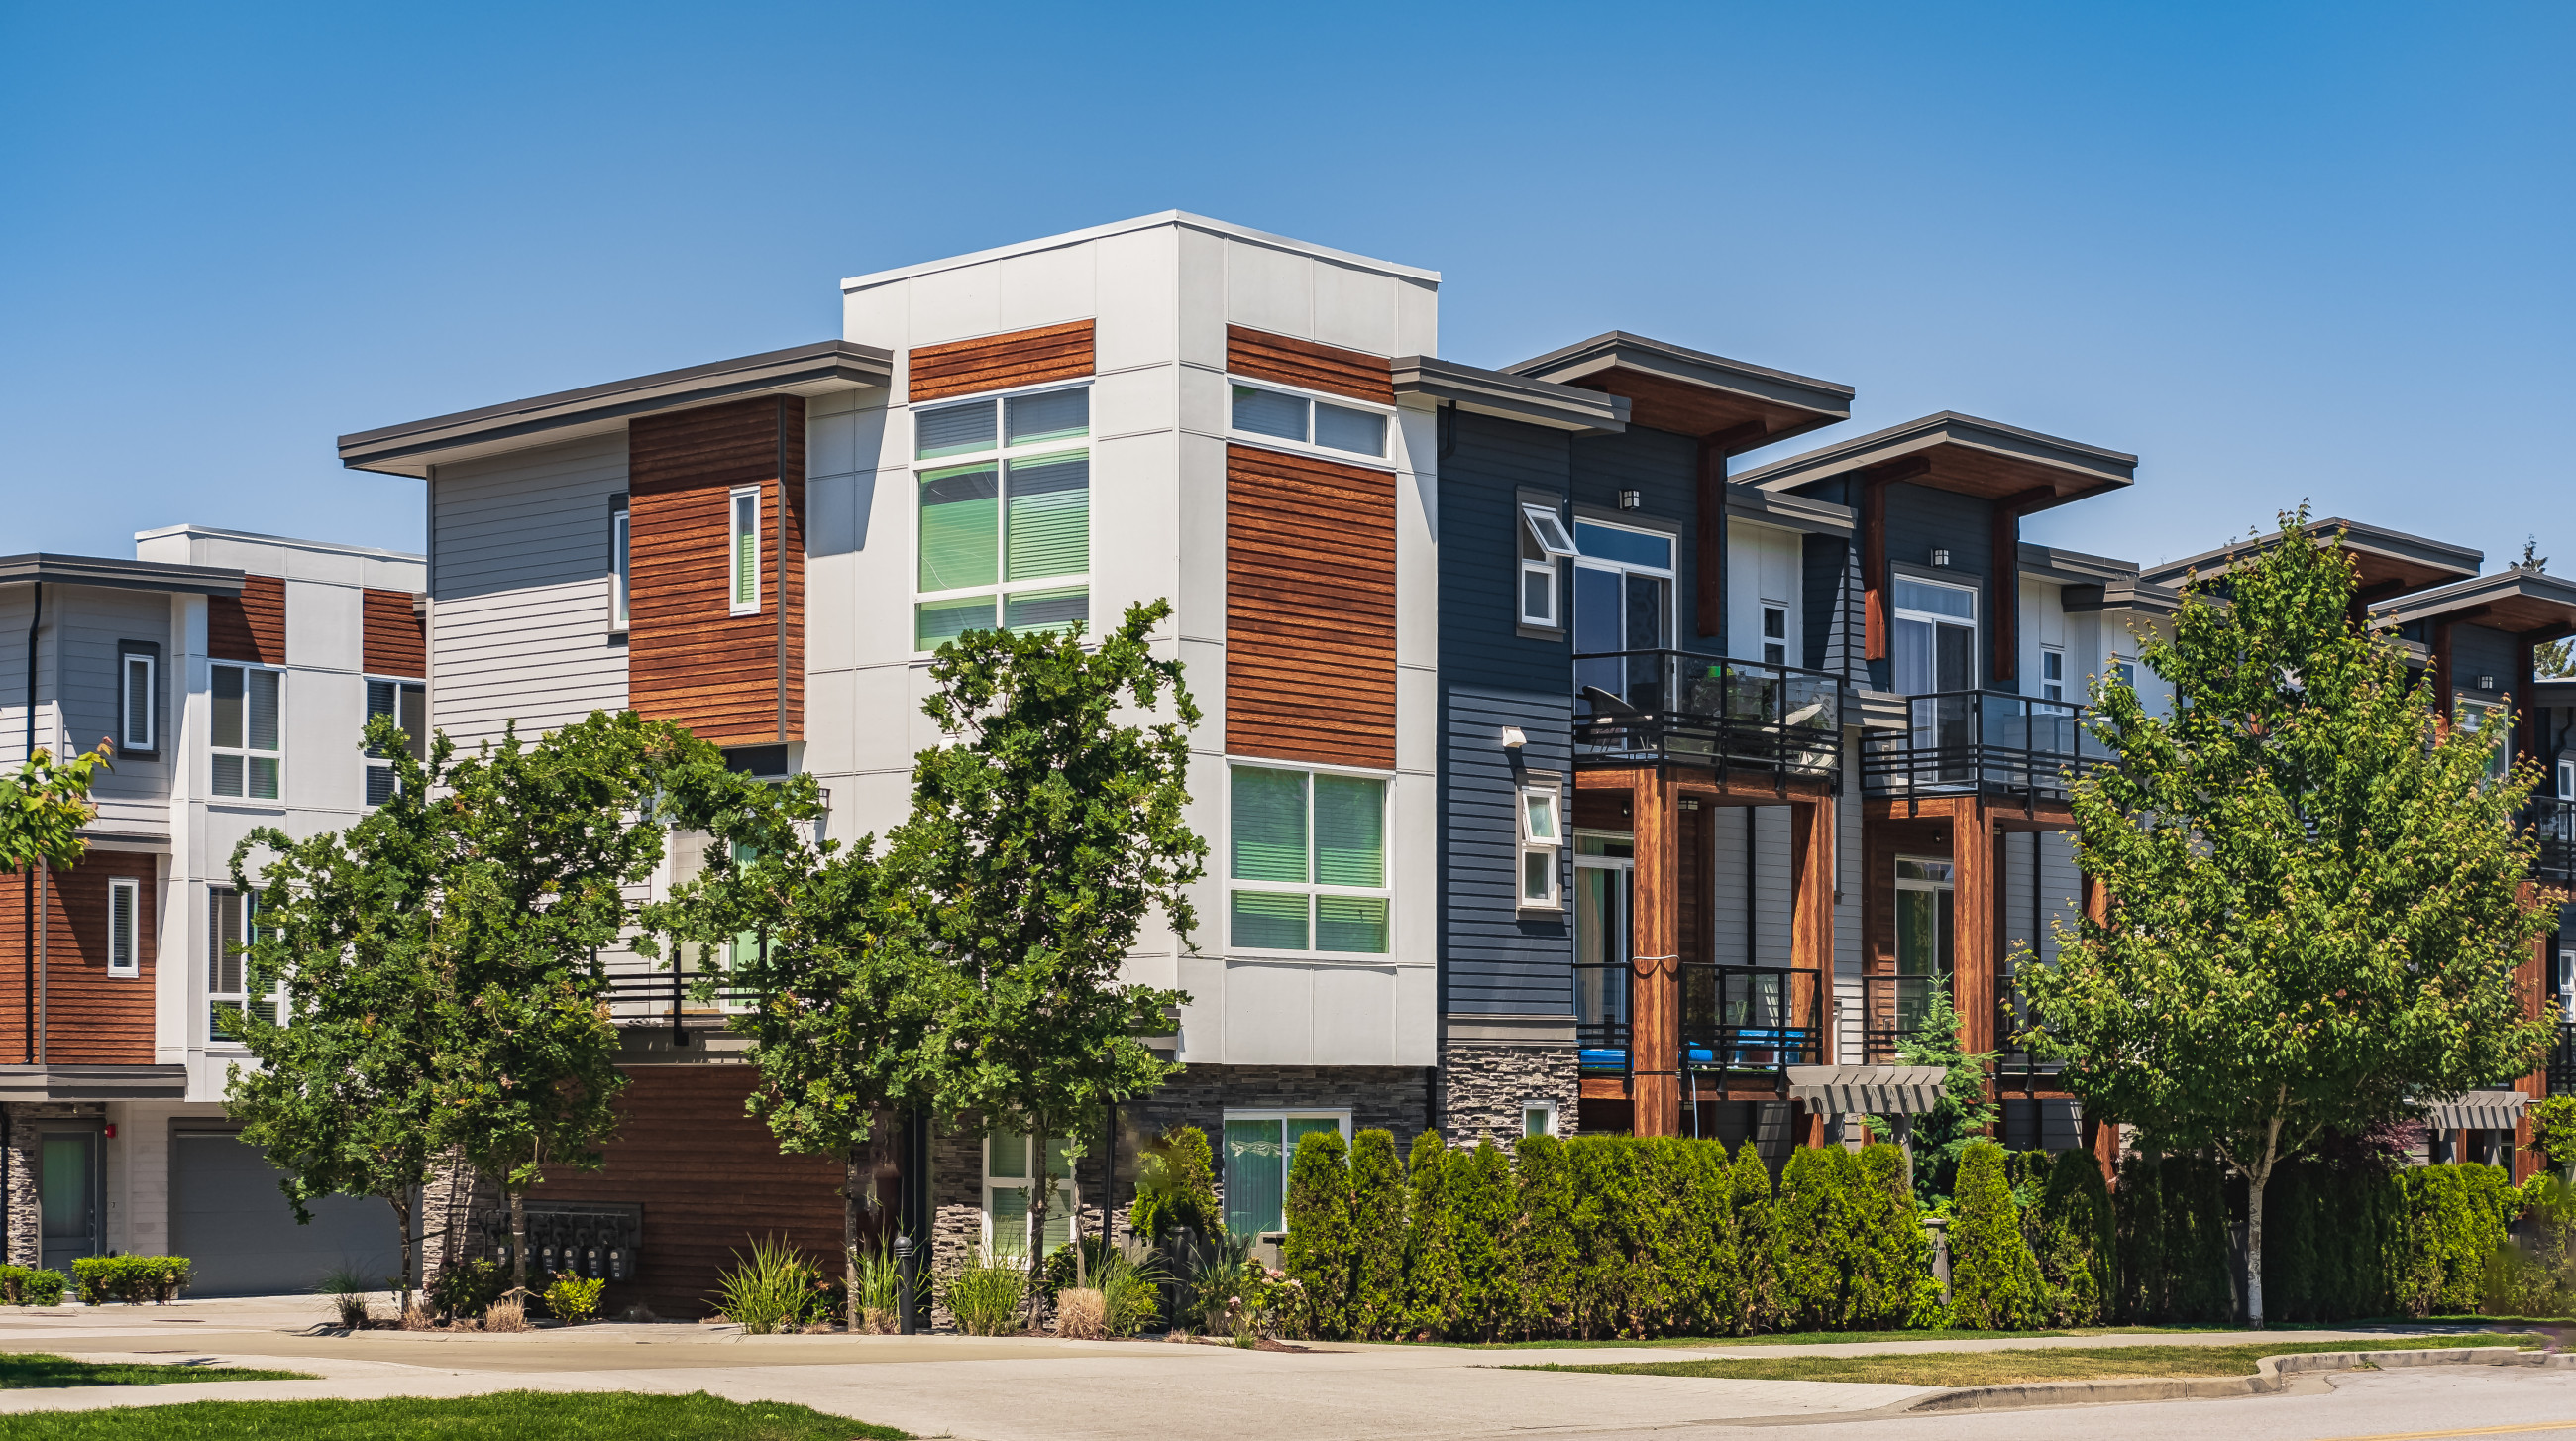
232,674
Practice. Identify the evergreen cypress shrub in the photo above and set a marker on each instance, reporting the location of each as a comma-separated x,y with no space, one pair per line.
1548,1251
2077,1242
1483,1212
1655,1235
1430,1261
1893,1287
1598,1169
1377,1222
2199,1251
1811,1238
1994,1279
1322,1242
2139,1216
1757,1296
1709,1294
2455,1220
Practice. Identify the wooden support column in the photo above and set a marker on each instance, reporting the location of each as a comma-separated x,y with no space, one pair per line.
1811,915
2004,607
1655,998
2097,900
1973,951
2532,979
1873,568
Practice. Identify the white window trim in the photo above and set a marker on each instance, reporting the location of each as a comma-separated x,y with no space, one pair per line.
1063,1191
126,718
244,750
129,963
2567,985
1554,1116
1672,592
1536,521
1340,1116
1530,845
1386,892
1764,610
733,550
372,763
1001,453
2059,682
2567,780
214,943
621,566
1394,423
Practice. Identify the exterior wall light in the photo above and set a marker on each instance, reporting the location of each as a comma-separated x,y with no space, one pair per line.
1630,500
2486,682
1940,557
1513,738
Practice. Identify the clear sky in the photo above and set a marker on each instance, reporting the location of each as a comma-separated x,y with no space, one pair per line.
2278,251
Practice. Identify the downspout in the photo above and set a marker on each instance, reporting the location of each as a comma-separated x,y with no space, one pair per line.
27,877
782,570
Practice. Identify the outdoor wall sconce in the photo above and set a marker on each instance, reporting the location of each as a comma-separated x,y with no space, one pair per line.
1630,500
2486,682
1514,738
1940,557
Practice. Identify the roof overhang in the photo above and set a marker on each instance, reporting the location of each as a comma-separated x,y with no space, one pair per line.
1868,1090
2130,594
98,570
1789,512
2554,694
2389,562
1692,392
1510,397
2517,602
1963,455
92,1083
412,448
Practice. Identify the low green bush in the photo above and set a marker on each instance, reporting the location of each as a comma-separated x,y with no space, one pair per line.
31,1286
133,1280
573,1300
1176,1186
467,1287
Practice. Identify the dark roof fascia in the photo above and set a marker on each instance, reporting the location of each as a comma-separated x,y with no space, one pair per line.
99,570
1791,512
2475,593
2073,567
412,447
2111,468
2130,594
1511,397
93,1083
2554,694
2358,535
1618,349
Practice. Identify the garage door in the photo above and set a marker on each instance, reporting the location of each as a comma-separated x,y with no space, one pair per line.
229,1218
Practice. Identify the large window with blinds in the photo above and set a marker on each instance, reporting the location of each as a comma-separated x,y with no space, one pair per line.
1005,514
1259,1148
1009,1179
246,749
408,703
1306,862
234,982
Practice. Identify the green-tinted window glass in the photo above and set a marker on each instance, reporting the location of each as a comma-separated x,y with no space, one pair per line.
1269,825
1354,924
1010,1220
746,548
1256,1173
1046,610
1350,831
1048,525
1270,920
960,527
1007,1158
1049,415
937,622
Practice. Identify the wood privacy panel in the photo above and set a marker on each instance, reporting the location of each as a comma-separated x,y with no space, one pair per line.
251,626
90,1018
997,362
1329,368
1310,609
732,679
396,643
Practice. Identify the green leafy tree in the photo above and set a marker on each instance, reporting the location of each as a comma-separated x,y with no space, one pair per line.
1994,1280
2314,880
1176,1186
1962,1115
44,805
1321,1241
1377,1217
1040,841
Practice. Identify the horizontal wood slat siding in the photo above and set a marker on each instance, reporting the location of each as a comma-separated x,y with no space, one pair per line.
251,626
688,657
1310,610
711,1181
1354,373
89,1018
998,362
396,642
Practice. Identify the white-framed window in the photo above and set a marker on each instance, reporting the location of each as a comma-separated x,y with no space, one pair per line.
1538,1118
1775,633
232,981
1623,601
408,703
2567,780
1543,542
2125,671
1259,1146
135,693
1310,420
1005,514
1935,648
2566,985
124,926
620,564
1008,1178
742,549
1306,862
247,744
1542,842
2052,672
2472,718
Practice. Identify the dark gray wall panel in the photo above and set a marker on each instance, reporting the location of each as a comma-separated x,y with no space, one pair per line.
1921,520
1663,469
233,1224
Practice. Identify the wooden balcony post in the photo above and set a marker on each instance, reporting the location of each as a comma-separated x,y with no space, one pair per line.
1975,956
2532,979
1811,916
1655,1037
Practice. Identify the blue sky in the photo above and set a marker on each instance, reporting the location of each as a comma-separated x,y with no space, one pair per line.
2278,251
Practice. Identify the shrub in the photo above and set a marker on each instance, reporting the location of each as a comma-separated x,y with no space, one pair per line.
1812,1248
1321,1239
1758,1290
1430,1256
1377,1224
2075,1240
1082,1314
349,1294
1176,1186
467,1287
1893,1287
1482,1213
1547,1258
133,1280
2454,1224
2553,1131
1130,1292
1994,1279
766,1293
1708,1229
31,1286
573,1300
986,1292
2139,1226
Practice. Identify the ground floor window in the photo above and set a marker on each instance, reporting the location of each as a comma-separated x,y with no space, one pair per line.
1008,1181
1258,1147
1924,896
1538,1118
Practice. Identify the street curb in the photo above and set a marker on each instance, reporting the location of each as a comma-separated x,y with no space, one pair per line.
2272,1375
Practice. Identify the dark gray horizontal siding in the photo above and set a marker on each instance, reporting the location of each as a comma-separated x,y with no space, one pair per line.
1663,468
1501,961
2477,651
1921,520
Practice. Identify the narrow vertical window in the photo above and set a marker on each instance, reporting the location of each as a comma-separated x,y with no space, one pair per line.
408,705
1775,635
244,736
1542,840
743,546
1543,542
224,992
618,571
135,696
124,927
2052,673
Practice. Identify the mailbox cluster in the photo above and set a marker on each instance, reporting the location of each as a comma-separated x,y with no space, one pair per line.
596,1243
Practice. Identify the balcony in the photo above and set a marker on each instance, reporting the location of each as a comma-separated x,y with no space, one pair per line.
1982,742
2553,824
671,998
2562,1060
1892,1006
1735,1020
1640,708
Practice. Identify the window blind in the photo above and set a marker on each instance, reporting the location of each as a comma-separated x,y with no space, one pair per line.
1048,523
136,733
1052,415
1359,431
1350,831
953,430
123,897
960,528
1034,610
1256,1175
746,549
1267,412
1269,835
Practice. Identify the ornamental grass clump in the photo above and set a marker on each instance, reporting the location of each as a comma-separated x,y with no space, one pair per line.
767,1293
986,1291
350,1295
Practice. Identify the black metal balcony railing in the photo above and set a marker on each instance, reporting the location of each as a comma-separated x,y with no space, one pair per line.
2562,1060
1601,1016
1734,1019
2553,823
1983,741
672,998
1658,707
1892,1007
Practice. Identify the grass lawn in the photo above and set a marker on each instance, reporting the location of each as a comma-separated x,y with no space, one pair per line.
29,1370
514,1415
1832,1338
2001,1368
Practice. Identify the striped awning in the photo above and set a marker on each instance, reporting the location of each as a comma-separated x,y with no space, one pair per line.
1867,1090
2479,1111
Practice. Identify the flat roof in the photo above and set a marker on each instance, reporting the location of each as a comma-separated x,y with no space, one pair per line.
1671,387
1789,512
1965,455
414,446
1142,222
49,569
332,546
1510,397
2390,562
2517,601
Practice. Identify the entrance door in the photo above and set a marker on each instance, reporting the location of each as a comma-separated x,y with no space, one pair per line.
1935,654
1923,920
67,1194
1623,601
1605,872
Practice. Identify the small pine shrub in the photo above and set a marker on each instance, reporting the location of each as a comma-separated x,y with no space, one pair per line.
1176,1186
1758,1288
1994,1279
1547,1258
1430,1257
1377,1224
1482,1212
1321,1239
2076,1240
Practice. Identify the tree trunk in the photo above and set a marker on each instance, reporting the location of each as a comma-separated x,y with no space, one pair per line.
850,1232
402,1218
1073,1223
2254,1252
518,1240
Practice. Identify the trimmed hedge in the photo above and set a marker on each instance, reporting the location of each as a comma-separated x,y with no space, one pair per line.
31,1286
1377,1219
131,1279
1994,1279
1322,1247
